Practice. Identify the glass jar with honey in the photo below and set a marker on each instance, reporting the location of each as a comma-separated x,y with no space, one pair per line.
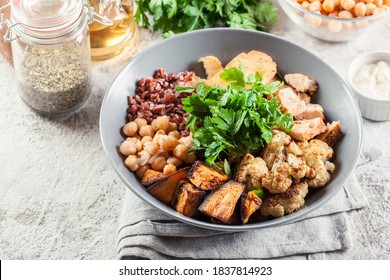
108,41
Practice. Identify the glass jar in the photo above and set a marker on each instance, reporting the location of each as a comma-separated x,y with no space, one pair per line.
110,41
51,53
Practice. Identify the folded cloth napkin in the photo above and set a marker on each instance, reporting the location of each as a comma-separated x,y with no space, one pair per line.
146,233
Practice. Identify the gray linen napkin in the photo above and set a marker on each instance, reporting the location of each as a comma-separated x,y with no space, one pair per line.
145,232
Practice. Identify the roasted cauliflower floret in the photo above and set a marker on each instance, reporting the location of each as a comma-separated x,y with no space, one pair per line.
286,163
317,155
278,179
275,151
278,205
250,171
295,160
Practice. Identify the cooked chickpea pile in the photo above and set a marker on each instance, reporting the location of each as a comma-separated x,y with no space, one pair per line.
346,8
158,146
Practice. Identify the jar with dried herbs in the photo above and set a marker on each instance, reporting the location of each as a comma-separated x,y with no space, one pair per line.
51,53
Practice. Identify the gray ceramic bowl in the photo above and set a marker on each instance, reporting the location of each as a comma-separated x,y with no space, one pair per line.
182,53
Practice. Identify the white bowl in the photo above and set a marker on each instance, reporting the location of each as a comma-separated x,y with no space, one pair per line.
370,108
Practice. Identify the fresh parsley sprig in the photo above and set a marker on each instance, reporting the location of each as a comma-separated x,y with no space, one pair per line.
177,16
235,119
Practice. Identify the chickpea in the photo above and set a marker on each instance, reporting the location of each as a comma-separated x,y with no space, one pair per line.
378,3
172,126
378,11
143,157
161,123
328,6
360,9
385,7
334,14
335,26
169,169
141,170
151,147
368,1
347,4
175,134
386,2
139,145
180,151
315,6
167,143
345,14
187,141
159,163
132,162
140,122
370,7
127,148
190,158
157,135
130,129
146,130
305,4
146,139
313,21
175,161
336,3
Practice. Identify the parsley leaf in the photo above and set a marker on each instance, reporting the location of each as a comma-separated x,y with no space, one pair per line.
235,119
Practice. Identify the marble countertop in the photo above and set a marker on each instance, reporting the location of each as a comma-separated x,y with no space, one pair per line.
60,198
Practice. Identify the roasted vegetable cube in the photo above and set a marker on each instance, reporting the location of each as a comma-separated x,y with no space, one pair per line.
164,189
250,203
151,176
206,177
221,202
188,198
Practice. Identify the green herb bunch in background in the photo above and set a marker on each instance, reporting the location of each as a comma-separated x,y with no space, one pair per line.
177,16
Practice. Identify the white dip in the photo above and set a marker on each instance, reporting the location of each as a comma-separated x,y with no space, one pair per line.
373,80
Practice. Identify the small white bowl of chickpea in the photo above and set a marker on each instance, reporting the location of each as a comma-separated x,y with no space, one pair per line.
336,20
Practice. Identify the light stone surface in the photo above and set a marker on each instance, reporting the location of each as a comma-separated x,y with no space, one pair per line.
60,198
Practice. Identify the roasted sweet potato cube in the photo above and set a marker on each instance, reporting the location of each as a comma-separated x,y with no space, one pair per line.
188,198
151,176
164,189
250,203
206,177
221,202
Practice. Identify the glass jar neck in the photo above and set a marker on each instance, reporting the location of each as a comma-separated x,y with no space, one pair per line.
47,22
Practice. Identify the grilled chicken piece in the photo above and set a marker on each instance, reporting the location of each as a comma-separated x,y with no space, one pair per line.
151,176
304,97
312,111
211,64
332,134
188,198
278,205
250,171
317,155
290,101
250,203
221,202
206,177
164,189
301,83
252,62
304,130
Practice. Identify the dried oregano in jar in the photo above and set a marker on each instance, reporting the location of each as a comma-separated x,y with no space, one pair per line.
51,53
55,80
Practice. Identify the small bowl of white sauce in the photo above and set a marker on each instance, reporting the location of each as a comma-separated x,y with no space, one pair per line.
369,79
